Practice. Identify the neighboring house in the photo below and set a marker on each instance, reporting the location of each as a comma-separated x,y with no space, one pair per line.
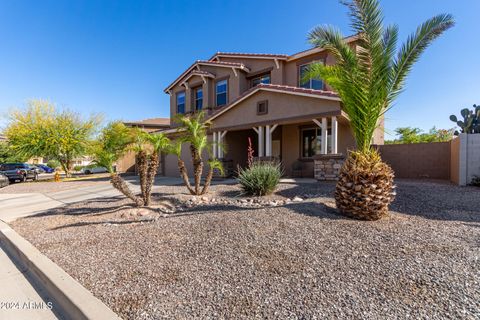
128,162
262,97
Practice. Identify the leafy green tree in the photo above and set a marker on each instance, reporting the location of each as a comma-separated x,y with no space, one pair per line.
8,155
416,135
368,77
42,130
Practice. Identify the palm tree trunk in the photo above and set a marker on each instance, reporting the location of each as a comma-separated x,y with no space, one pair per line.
197,168
208,180
184,175
120,184
152,171
142,171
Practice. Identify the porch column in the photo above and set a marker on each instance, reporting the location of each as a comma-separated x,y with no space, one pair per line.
261,140
323,148
215,145
221,135
268,139
334,135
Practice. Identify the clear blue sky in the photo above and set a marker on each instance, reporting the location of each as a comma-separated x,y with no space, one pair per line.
116,57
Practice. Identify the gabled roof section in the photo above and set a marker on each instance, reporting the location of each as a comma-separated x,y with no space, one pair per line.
219,55
322,94
198,63
314,50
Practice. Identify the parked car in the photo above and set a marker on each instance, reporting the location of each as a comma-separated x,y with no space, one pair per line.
37,168
4,181
46,168
90,170
18,171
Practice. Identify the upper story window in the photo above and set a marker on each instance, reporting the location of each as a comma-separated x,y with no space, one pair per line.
310,83
221,92
198,98
181,102
265,79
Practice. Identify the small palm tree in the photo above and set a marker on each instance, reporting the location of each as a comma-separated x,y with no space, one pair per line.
194,133
368,79
158,142
111,146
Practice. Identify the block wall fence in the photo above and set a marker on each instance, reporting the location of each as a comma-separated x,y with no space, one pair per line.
457,160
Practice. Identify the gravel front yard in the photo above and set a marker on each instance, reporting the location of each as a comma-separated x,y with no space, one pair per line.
298,260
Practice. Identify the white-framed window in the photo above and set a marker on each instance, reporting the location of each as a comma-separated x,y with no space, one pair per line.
310,83
221,91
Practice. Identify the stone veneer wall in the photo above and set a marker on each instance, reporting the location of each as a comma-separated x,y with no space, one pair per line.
327,167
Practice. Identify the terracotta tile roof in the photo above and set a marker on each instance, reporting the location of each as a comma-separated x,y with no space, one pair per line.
247,55
160,122
222,63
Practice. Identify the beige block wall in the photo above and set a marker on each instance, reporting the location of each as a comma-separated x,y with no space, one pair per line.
455,160
418,160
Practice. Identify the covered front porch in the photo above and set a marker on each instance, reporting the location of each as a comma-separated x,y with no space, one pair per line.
306,148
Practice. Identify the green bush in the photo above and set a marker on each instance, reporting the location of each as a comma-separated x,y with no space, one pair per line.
260,179
78,168
54,164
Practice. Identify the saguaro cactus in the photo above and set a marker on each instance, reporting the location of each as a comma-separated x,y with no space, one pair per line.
471,120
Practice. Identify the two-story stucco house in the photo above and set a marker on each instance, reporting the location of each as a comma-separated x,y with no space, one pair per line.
262,97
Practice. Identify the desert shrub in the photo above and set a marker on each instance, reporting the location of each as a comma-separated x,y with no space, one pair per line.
53,164
475,181
261,178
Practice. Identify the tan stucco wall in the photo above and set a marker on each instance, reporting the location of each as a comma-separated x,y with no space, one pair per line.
280,107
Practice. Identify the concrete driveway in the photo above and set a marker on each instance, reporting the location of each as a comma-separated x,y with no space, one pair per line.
13,206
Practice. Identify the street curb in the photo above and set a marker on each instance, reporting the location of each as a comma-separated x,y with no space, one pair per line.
71,299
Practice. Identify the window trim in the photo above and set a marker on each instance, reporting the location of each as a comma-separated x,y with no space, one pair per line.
177,94
258,107
299,66
226,91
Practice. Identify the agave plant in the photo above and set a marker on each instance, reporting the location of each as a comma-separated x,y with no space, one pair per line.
193,132
368,77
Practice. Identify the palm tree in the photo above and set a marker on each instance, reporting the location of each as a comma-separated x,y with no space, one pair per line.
194,133
368,77
111,146
158,142
140,145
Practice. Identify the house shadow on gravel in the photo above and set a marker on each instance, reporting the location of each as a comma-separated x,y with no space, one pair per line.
429,200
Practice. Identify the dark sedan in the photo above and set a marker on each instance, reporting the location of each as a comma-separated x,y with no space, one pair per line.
19,171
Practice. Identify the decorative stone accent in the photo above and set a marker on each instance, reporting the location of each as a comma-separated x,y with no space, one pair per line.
327,166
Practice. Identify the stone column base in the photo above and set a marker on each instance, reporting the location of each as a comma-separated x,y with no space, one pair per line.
327,166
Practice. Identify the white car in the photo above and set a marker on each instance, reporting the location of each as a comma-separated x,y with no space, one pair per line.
90,170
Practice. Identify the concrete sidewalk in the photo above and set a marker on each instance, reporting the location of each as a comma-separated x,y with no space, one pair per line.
18,298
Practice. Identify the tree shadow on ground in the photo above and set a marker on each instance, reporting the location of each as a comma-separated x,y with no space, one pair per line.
429,200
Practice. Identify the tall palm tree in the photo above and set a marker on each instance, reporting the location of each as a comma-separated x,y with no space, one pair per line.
368,77
194,132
